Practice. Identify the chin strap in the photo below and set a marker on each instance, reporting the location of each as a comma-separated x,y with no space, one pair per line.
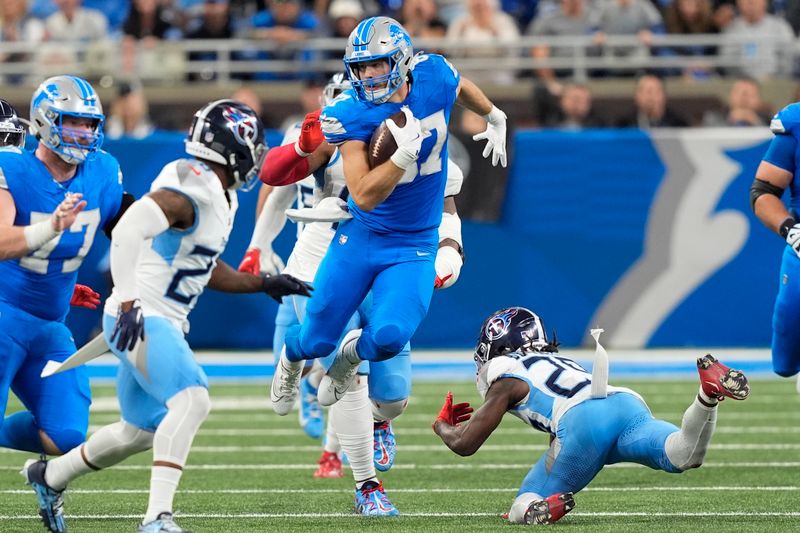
599,367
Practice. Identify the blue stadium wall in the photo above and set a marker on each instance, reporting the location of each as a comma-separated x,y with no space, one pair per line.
649,236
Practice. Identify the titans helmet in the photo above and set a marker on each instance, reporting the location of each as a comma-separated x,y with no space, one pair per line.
67,96
231,134
335,86
375,39
515,329
12,133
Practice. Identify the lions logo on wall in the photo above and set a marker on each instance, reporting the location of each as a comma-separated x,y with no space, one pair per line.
498,324
244,127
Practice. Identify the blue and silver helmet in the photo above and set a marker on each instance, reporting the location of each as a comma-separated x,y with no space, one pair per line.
375,39
62,96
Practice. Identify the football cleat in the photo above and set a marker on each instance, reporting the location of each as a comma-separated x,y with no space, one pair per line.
371,500
285,384
163,524
51,501
341,373
310,410
720,382
550,510
384,445
330,466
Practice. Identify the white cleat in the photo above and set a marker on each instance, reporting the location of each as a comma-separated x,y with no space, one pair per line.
285,384
342,372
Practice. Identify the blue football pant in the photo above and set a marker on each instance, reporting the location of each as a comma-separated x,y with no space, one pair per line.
399,269
596,433
60,403
785,317
144,387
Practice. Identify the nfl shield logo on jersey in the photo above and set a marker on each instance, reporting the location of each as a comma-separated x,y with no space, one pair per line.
342,239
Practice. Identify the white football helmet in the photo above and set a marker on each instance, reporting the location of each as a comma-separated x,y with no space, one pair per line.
62,96
373,39
335,86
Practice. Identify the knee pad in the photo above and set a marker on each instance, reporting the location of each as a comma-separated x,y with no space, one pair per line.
382,411
382,343
66,439
516,515
193,401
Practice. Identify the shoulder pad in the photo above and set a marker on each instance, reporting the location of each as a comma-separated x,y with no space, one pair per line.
495,369
786,120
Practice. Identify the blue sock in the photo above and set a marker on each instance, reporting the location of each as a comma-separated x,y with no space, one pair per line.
20,432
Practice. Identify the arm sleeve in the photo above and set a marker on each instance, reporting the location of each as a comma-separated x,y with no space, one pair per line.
781,152
272,218
143,220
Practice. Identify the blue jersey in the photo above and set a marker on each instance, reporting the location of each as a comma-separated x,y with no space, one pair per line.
42,282
416,202
784,151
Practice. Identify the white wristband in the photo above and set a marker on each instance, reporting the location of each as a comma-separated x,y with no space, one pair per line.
299,151
450,228
403,158
39,234
495,116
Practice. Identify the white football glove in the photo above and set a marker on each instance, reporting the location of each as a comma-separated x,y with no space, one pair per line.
271,263
495,136
793,238
448,267
408,138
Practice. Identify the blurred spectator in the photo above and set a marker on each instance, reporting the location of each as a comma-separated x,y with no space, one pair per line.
248,96
129,116
486,28
148,23
286,23
687,17
627,17
310,100
451,10
522,11
757,41
74,23
651,107
572,19
216,24
421,19
745,107
575,108
16,26
116,11
345,16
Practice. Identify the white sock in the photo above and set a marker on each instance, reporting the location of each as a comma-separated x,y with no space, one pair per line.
331,438
353,422
687,448
173,439
349,350
106,447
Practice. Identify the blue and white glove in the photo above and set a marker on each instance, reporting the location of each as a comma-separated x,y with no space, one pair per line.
495,136
408,138
129,327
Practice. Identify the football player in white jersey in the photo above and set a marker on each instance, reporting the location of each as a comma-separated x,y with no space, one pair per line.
164,251
520,372
362,423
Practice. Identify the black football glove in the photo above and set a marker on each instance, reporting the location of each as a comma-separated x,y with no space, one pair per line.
129,327
283,285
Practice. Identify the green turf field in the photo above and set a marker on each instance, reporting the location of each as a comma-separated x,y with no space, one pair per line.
250,470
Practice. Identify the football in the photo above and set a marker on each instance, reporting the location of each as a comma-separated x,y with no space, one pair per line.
382,144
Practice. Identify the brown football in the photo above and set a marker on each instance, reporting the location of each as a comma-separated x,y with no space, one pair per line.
382,145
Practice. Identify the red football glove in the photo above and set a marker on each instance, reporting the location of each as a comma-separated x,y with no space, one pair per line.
311,133
251,263
83,296
452,415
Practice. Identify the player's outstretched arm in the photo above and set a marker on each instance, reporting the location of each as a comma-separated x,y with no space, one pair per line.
260,256
467,439
225,279
19,241
290,163
765,198
474,99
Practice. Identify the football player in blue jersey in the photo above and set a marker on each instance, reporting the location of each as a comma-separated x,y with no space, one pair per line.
591,424
390,244
777,172
52,203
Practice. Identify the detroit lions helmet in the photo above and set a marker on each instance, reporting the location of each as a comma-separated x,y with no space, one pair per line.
62,96
12,133
231,134
374,39
511,330
335,86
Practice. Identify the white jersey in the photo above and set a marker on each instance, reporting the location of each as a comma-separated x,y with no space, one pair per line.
313,242
305,187
556,384
175,266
